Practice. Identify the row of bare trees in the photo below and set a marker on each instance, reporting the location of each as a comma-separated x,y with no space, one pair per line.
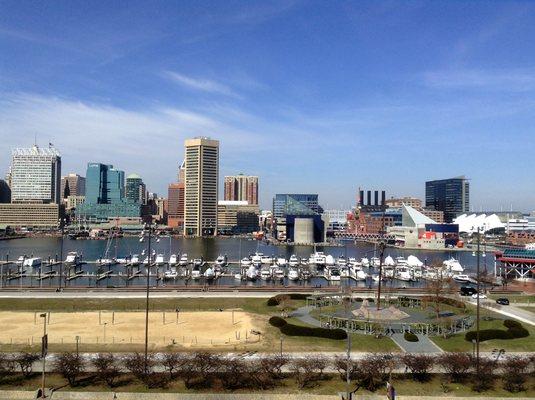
231,372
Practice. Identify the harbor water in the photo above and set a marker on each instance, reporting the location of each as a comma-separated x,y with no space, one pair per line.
51,248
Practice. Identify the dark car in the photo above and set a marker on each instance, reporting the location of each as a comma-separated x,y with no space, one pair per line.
503,301
468,291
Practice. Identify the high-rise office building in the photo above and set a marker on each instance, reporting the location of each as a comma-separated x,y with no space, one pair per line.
136,191
175,205
105,195
452,196
201,186
72,185
36,175
242,188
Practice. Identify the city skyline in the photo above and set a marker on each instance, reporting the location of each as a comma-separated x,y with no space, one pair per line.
351,106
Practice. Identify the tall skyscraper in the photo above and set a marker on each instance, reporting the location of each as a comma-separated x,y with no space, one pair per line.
452,196
175,205
36,175
296,204
242,188
201,186
72,185
136,191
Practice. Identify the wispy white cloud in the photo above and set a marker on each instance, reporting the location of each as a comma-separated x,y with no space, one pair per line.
204,85
515,80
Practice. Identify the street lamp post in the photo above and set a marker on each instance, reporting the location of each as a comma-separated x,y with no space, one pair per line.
149,255
478,254
44,345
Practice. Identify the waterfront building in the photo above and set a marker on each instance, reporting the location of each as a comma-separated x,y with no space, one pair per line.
72,185
175,205
295,204
435,215
136,191
516,263
235,217
452,196
161,211
30,215
36,175
5,192
105,195
201,186
471,223
73,202
371,201
241,188
407,200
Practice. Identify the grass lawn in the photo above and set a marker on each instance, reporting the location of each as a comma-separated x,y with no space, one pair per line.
331,385
517,298
457,342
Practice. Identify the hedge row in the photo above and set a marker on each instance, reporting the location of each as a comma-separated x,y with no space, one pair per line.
275,300
410,337
296,330
445,300
515,330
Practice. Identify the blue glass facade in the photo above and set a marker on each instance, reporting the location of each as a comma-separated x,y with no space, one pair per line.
295,204
452,196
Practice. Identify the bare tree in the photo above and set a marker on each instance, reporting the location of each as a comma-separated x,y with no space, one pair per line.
485,379
135,364
107,368
340,363
284,304
6,365
420,365
438,287
70,366
374,369
25,361
233,372
174,362
201,369
305,371
456,365
273,365
515,373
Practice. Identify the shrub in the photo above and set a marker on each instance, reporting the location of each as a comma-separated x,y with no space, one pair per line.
307,371
370,300
25,361
410,337
107,368
484,380
515,330
275,300
419,365
456,366
296,330
444,300
374,370
515,373
272,302
277,322
70,366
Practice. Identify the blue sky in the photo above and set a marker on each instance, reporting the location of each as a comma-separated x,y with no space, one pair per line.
312,96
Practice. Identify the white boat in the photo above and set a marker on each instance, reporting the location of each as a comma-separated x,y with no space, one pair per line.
122,260
413,261
365,262
198,262
72,258
345,271
209,274
281,262
374,262
257,258
360,275
353,262
20,260
319,258
453,265
195,272
183,260
401,261
305,274
221,261
251,273
134,260
329,261
265,273
389,261
32,262
173,260
170,274
245,262
266,259
293,274
106,261
332,274
462,278
237,276
159,259
279,273
294,261
403,273
341,262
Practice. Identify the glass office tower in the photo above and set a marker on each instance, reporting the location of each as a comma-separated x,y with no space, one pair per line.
452,196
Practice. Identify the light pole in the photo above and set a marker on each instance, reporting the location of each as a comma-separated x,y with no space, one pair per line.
105,323
44,350
479,230
62,226
347,301
149,255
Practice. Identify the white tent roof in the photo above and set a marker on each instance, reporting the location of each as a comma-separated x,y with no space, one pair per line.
471,223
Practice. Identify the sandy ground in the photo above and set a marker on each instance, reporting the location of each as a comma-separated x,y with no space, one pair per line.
188,329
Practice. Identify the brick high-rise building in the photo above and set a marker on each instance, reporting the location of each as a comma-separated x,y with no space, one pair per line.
175,205
242,188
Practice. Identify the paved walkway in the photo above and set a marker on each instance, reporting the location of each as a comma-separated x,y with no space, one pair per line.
423,345
303,315
510,311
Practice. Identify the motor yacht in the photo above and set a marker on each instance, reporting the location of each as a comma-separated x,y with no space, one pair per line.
403,273
319,258
353,262
341,262
159,259
462,278
196,271
389,261
173,260
281,262
374,262
170,274
251,273
183,260
365,262
332,274
221,261
265,273
72,258
209,274
33,262
134,260
257,258
199,262
20,260
245,262
266,259
293,274
330,261
294,261
279,273
453,265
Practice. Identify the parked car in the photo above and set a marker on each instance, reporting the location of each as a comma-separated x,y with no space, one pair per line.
481,296
468,291
503,301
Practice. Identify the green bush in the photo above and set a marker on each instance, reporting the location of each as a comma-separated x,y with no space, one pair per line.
296,330
275,300
515,331
370,300
277,322
445,300
410,337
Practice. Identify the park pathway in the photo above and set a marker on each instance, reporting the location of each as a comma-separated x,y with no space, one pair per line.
423,345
